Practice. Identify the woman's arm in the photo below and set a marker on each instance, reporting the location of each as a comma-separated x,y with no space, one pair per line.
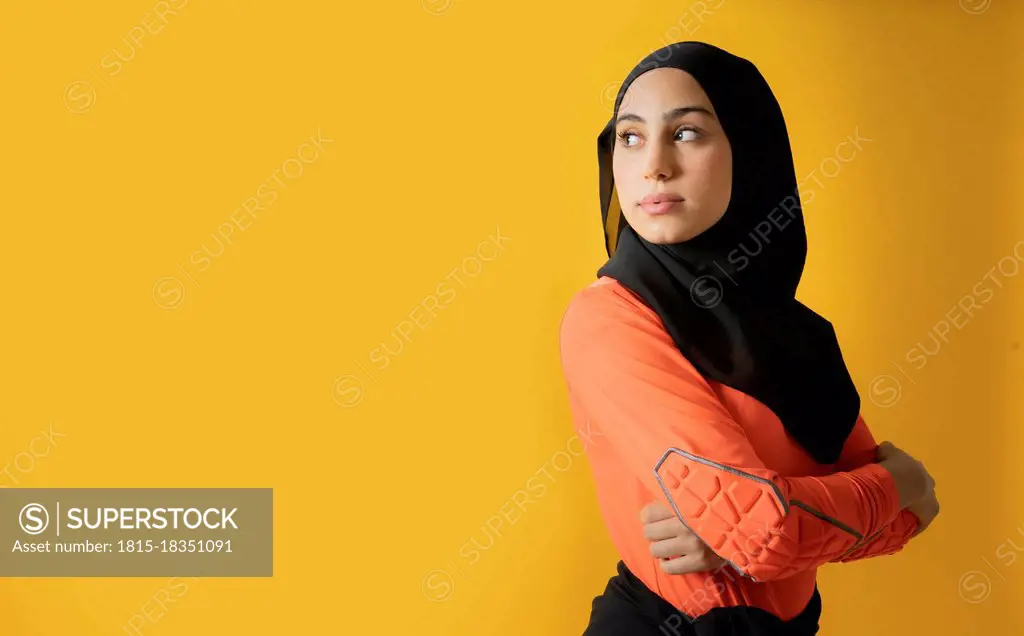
660,414
860,450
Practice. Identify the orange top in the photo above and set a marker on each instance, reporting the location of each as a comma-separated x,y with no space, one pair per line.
655,428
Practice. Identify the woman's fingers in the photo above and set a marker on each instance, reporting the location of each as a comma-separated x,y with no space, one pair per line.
667,549
885,450
690,563
666,529
655,511
678,550
676,546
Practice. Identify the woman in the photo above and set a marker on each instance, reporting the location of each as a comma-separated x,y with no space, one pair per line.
725,436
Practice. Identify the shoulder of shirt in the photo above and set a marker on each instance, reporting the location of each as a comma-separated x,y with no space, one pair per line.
606,304
605,320
605,296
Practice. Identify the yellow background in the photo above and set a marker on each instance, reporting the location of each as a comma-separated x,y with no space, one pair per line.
450,121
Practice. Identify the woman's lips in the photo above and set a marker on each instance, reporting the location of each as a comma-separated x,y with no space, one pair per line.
660,203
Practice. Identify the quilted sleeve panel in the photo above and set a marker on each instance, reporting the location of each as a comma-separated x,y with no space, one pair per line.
860,450
666,424
889,540
770,527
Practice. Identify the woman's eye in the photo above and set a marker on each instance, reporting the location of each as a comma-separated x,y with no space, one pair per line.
628,139
687,134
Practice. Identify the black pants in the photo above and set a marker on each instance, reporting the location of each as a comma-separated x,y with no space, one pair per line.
629,608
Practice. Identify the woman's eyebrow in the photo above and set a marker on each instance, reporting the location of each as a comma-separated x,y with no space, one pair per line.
667,115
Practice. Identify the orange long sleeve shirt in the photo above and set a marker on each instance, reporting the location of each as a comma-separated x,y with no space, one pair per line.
657,429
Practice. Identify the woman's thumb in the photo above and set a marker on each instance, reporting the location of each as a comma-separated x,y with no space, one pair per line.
885,450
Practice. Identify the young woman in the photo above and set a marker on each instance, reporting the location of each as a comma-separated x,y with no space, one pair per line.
724,431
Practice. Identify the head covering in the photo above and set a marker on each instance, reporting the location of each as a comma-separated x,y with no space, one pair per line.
728,295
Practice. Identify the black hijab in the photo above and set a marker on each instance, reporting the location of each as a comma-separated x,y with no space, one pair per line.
728,296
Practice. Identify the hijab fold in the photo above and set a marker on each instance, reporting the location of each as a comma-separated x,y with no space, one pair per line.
728,296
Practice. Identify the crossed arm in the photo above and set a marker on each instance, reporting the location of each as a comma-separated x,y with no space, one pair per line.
679,440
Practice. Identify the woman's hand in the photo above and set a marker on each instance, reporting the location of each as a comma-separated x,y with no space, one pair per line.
679,551
915,486
912,480
926,510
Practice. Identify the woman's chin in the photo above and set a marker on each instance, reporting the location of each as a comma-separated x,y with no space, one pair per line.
665,231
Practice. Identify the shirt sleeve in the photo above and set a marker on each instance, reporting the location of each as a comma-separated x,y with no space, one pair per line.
671,431
860,450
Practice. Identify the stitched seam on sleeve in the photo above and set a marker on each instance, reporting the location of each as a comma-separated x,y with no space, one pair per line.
723,467
824,517
729,469
860,541
860,544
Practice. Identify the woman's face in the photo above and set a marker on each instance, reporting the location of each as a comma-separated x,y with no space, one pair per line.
672,162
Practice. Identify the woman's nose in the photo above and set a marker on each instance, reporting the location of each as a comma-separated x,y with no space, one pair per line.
659,165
